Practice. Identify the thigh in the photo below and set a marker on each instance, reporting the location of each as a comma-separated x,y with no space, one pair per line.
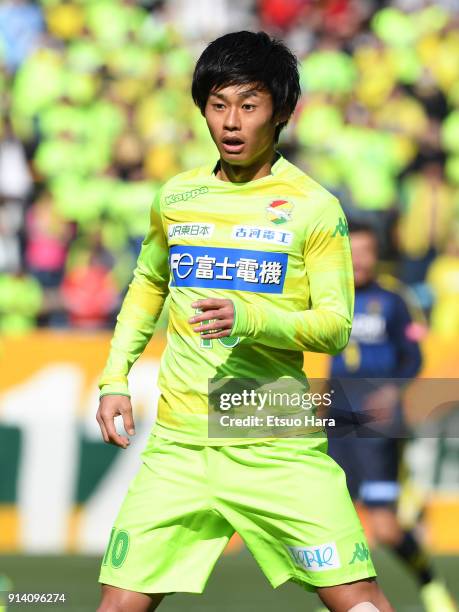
289,501
343,451
344,597
114,598
167,536
379,458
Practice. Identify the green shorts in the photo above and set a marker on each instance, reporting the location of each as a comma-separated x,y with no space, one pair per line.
286,498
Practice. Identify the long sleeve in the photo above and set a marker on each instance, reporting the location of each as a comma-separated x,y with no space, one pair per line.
326,326
140,309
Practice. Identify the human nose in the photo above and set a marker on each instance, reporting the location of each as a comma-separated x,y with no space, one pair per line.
232,121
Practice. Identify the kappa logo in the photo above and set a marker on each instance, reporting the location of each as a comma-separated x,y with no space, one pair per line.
341,228
279,211
316,558
361,553
185,195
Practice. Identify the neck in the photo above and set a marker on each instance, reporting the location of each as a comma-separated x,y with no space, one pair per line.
243,174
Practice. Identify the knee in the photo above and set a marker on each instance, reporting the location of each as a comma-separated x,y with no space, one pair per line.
386,529
387,536
110,604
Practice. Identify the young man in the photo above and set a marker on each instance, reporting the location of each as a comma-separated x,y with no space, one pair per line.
383,346
249,244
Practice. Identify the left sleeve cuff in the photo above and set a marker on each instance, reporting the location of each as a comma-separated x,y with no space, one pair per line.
240,319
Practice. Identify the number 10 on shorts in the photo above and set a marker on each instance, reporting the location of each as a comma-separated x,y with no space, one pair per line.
117,548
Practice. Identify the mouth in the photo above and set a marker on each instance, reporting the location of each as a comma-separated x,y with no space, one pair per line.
232,144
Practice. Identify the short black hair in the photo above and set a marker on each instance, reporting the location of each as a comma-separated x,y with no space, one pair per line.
361,227
245,57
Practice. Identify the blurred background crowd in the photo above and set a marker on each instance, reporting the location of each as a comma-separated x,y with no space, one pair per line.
96,113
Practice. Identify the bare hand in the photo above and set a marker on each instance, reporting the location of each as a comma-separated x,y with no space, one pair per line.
382,402
214,308
111,406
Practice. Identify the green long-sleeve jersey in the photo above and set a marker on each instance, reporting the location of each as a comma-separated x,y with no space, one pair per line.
278,247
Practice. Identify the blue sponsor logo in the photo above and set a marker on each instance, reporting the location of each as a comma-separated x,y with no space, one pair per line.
222,268
316,558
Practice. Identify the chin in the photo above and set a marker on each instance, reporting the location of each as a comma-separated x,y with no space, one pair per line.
235,159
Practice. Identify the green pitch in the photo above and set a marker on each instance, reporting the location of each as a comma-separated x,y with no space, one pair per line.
236,584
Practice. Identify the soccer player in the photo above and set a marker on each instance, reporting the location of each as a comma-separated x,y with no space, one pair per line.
383,345
249,250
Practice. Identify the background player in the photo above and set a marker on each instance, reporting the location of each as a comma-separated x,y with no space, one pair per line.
383,345
269,233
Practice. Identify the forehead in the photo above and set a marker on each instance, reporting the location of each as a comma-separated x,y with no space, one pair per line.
363,239
244,90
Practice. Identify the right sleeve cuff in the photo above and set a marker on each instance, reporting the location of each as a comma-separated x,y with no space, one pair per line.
114,389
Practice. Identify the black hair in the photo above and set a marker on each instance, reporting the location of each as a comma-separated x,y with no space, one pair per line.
245,57
357,227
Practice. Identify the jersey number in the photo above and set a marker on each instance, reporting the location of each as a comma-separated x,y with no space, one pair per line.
227,341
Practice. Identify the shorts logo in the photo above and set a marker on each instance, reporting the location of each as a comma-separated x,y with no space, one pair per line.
361,553
262,234
185,195
190,230
316,558
279,211
223,268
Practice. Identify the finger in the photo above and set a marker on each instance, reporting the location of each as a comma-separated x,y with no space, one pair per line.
205,316
220,334
209,303
214,327
113,436
103,430
128,421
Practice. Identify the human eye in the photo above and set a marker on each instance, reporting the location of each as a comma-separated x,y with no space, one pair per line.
248,107
218,105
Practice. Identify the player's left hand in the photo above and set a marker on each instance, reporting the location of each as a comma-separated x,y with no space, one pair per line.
381,404
218,314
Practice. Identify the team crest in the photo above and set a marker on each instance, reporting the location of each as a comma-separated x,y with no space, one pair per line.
279,211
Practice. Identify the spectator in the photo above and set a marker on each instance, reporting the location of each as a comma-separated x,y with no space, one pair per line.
89,292
21,24
21,299
47,240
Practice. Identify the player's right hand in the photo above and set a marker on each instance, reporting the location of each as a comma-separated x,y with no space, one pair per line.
111,406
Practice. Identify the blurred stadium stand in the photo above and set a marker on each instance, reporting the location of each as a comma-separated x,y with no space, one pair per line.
96,113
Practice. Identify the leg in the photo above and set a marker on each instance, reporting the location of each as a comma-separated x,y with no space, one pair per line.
166,537
289,501
121,600
379,492
360,596
384,525
404,544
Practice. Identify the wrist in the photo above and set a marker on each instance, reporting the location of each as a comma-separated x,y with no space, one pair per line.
114,389
242,321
